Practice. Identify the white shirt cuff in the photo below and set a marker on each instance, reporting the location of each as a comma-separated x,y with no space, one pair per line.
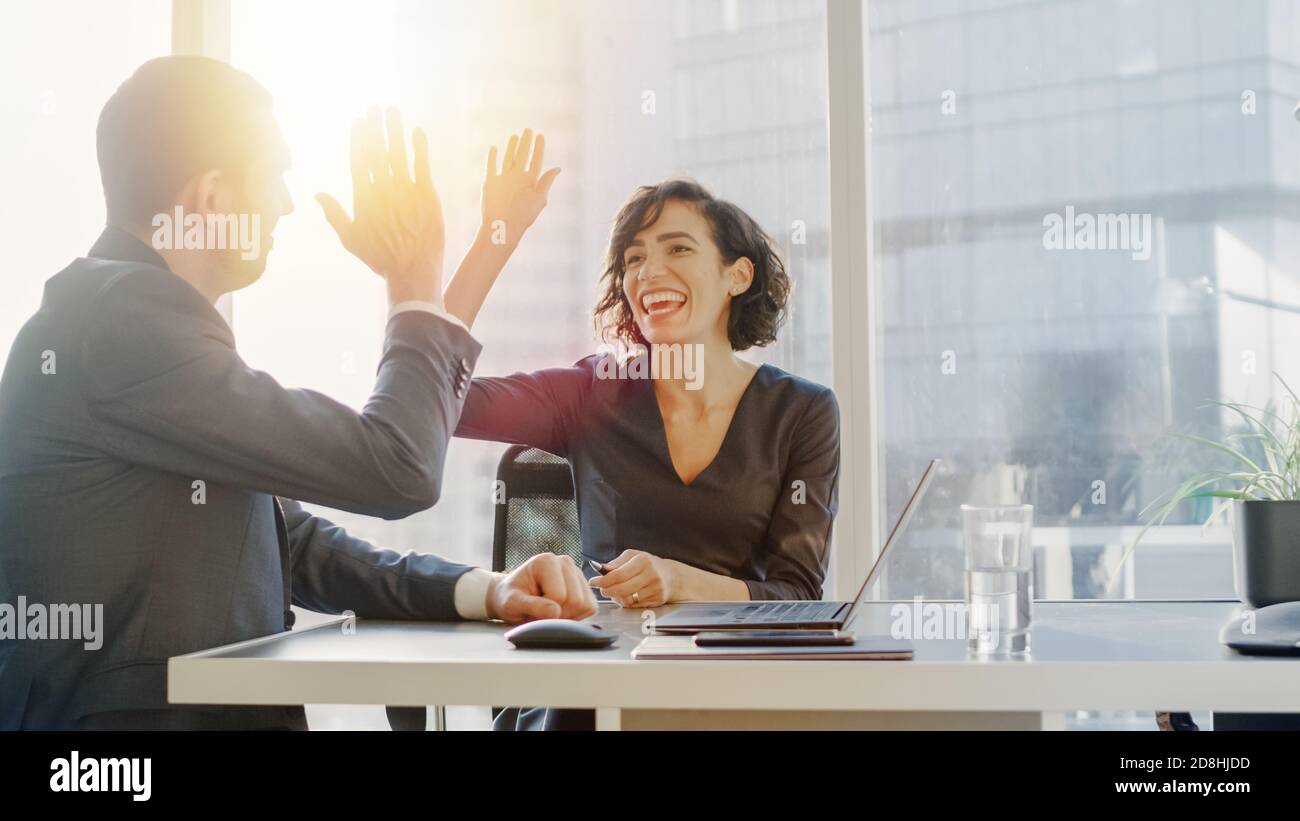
435,308
470,596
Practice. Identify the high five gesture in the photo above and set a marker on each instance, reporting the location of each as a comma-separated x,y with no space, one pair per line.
396,227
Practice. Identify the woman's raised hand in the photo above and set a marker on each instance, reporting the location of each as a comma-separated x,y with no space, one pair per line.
515,192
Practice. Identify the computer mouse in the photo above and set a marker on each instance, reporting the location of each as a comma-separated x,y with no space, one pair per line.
1273,630
560,634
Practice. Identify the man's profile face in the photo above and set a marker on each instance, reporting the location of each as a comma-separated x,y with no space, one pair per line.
260,199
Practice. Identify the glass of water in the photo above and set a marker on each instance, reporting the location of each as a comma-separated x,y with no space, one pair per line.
999,577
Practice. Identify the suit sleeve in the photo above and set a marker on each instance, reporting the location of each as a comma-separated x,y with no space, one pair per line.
333,572
796,551
166,388
540,409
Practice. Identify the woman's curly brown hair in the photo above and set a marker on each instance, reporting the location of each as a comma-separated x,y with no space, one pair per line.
755,315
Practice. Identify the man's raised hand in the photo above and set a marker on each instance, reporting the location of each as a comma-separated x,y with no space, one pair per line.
396,227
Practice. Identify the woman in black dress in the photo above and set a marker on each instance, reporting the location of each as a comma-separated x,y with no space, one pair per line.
699,476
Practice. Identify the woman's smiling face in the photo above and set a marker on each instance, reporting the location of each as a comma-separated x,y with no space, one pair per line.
675,281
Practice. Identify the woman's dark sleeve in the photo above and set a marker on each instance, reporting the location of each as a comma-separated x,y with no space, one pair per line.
538,409
797,547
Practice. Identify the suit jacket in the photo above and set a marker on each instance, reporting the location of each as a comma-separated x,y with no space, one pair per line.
122,393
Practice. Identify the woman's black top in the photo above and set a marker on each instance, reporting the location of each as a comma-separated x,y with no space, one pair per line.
761,512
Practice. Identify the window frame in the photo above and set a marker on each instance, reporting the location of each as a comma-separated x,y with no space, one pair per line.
202,28
854,281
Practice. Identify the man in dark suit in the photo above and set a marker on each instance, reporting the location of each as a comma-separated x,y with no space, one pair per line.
147,471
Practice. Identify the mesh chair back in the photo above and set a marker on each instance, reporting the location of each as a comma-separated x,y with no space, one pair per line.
536,512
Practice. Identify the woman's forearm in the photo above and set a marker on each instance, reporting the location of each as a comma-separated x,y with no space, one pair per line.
694,584
476,275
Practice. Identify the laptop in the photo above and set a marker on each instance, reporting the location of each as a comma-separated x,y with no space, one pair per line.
791,615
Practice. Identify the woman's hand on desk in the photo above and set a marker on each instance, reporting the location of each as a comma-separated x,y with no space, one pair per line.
640,579
546,586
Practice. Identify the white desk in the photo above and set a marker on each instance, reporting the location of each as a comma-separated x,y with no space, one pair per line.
1086,655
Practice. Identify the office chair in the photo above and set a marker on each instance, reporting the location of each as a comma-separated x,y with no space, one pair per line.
535,513
535,509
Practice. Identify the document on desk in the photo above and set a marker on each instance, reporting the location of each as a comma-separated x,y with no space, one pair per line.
864,648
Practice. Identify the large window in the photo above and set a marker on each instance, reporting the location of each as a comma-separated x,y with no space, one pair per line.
731,93
1082,216
52,209
1045,371
1039,370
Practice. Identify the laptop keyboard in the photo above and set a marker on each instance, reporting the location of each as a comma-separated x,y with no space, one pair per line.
810,611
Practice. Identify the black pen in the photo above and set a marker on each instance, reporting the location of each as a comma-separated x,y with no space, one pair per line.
597,566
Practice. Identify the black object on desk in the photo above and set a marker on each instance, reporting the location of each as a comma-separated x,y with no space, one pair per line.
1272,630
863,648
560,634
774,638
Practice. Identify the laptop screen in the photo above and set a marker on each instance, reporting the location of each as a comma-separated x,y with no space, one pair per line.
913,502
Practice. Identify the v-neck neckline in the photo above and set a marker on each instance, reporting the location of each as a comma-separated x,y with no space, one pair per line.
726,436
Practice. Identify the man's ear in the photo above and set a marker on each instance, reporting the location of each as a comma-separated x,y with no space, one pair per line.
212,193
740,276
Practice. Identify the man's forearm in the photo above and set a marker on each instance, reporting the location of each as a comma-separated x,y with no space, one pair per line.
476,275
334,571
473,594
424,288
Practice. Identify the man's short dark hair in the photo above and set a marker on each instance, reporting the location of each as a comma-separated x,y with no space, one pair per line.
755,315
174,118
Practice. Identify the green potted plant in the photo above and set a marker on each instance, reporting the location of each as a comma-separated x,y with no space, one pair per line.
1262,487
